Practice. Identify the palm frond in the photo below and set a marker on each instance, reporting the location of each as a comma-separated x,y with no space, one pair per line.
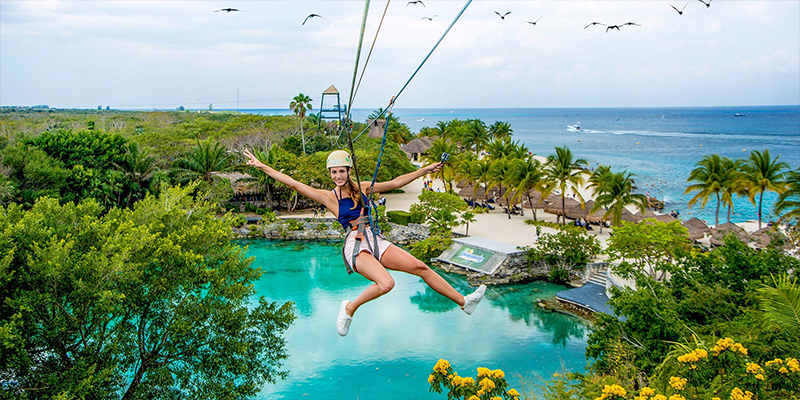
781,303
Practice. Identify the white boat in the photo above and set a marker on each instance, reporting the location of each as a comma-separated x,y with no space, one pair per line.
576,127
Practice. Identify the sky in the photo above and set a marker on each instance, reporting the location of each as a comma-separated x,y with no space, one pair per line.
164,54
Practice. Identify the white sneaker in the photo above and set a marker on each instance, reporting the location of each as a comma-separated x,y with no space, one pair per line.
471,300
343,321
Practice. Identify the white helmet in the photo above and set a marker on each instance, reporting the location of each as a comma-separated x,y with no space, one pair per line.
339,158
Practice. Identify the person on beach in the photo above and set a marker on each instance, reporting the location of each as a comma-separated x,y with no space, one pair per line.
340,202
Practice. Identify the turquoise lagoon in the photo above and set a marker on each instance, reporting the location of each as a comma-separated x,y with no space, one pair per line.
395,341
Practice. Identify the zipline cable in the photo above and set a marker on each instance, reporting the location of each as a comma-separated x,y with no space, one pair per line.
350,102
369,55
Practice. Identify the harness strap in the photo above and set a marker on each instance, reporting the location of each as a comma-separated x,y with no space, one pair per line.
360,225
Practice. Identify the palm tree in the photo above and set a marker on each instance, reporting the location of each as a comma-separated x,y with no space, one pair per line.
780,303
439,147
529,175
616,192
502,148
203,162
269,157
479,174
498,174
790,199
501,130
563,172
138,166
475,136
300,104
442,129
762,173
715,176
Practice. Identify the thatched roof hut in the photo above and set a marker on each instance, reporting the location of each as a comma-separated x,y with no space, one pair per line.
376,127
648,213
763,237
580,211
666,218
720,231
697,228
555,207
628,216
536,201
417,147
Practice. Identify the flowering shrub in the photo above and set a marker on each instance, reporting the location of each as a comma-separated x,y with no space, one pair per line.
487,385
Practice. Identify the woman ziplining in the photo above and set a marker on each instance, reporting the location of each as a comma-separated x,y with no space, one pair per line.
372,255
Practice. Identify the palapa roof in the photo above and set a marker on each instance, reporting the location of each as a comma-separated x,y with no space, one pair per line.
578,211
628,216
376,128
417,146
762,237
331,90
695,224
537,203
719,231
648,213
555,208
666,218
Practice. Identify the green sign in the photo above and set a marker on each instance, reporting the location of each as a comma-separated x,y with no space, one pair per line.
470,257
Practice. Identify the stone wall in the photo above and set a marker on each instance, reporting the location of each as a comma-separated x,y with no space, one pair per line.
327,228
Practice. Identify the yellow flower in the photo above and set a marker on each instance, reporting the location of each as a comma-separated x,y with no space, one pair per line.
677,382
783,370
659,397
760,377
430,379
610,391
467,381
481,392
793,364
776,361
512,392
498,374
496,398
646,391
737,394
441,366
754,368
473,397
715,398
556,375
483,371
487,384
676,397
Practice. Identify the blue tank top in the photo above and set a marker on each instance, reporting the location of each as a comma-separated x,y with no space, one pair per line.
346,211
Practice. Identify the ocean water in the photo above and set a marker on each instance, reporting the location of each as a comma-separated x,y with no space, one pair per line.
659,145
395,340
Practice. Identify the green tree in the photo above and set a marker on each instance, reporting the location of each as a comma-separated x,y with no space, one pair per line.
149,302
562,171
467,218
528,174
439,209
762,173
475,135
439,147
501,130
140,168
780,303
788,203
299,105
649,247
615,191
715,176
500,173
203,162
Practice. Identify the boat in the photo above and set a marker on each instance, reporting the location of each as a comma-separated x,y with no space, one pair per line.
576,127
739,115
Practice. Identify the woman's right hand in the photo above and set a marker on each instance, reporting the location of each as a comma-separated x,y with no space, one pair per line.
252,160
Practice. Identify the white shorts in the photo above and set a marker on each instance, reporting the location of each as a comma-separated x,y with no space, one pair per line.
366,244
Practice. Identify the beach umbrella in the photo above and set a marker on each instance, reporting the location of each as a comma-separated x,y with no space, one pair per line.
628,216
538,203
666,218
762,237
462,184
696,225
719,231
648,213
466,191
555,207
578,212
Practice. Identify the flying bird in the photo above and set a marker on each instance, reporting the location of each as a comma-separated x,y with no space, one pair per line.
429,18
311,16
502,16
612,27
629,23
415,3
593,23
680,12
534,22
227,9
708,5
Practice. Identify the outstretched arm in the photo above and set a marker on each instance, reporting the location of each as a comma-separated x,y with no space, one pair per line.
403,180
317,195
